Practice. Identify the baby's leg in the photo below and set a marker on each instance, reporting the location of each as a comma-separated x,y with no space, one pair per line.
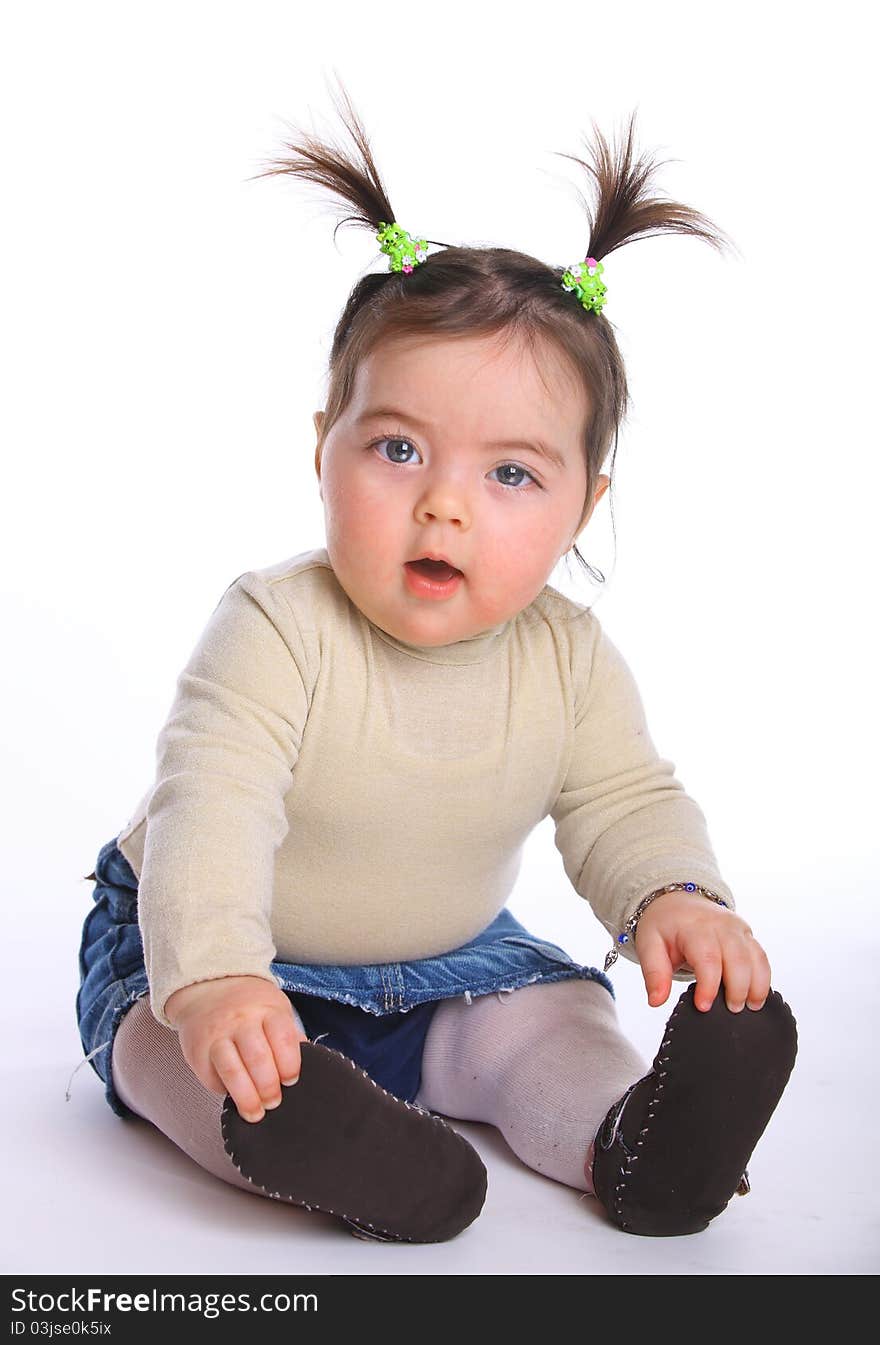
543,1064
338,1142
151,1075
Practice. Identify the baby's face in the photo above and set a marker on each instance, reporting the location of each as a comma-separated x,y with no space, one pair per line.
437,473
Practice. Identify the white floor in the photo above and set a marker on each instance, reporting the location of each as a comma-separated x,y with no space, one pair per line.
90,1193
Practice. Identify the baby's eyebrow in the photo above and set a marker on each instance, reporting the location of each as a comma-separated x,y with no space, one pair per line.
515,445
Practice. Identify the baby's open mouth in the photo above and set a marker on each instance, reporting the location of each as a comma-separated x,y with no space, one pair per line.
434,569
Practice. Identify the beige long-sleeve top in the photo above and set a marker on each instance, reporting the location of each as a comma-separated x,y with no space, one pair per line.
325,792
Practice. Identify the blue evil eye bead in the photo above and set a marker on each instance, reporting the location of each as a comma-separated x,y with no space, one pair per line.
690,887
623,938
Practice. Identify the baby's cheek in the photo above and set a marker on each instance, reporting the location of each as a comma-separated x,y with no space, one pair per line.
503,592
490,608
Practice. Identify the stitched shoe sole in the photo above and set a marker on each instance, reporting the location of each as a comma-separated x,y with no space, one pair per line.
341,1144
673,1150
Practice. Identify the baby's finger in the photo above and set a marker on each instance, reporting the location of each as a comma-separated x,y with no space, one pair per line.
259,1061
284,1036
761,976
704,955
655,964
227,1061
737,974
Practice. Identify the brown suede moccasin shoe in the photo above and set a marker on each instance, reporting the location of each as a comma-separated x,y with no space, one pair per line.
673,1150
341,1144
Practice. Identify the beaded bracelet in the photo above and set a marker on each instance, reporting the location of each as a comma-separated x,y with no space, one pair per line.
629,929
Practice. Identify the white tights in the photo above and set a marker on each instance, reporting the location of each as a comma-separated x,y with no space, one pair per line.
542,1063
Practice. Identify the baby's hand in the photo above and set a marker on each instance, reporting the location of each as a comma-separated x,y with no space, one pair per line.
685,931
239,1035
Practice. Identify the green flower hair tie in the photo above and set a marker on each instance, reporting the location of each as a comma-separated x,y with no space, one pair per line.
583,278
405,252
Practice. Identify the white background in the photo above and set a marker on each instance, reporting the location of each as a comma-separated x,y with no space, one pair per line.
166,326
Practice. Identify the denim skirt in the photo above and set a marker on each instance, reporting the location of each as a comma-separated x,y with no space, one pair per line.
377,1014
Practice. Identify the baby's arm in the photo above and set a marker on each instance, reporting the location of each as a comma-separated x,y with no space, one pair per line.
216,815
238,1035
625,825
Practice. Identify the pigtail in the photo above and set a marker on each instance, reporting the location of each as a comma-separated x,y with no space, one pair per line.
353,178
625,208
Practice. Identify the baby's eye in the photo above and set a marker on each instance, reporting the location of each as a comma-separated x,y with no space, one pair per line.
403,461
393,452
512,467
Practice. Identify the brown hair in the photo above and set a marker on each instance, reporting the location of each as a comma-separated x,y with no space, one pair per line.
472,292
